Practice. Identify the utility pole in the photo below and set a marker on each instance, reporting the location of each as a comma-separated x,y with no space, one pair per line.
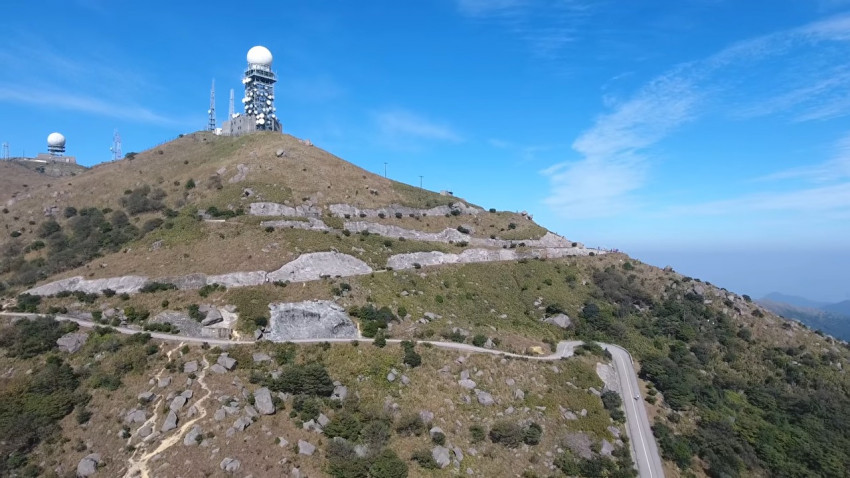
420,182
385,169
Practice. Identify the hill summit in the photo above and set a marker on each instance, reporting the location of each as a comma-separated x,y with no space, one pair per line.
275,260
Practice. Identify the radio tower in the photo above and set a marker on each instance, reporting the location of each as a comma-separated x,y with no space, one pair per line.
211,126
231,112
6,151
116,146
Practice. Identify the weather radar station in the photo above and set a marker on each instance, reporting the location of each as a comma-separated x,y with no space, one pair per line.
259,80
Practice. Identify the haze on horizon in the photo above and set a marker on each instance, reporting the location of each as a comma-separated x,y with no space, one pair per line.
712,136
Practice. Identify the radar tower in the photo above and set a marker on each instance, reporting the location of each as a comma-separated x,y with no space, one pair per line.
6,151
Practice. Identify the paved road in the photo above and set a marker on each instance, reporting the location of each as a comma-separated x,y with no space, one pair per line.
644,448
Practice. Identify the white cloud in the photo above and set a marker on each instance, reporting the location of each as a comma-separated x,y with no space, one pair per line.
615,160
835,169
85,104
399,125
834,199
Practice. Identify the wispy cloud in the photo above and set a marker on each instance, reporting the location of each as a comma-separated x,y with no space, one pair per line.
547,27
400,125
834,199
835,169
86,104
615,157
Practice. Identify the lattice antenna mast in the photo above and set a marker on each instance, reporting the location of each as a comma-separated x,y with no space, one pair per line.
116,146
6,151
211,126
231,113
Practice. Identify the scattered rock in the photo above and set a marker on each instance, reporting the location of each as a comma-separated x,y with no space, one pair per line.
187,394
225,361
190,367
88,465
230,465
426,416
242,423
164,382
145,431
435,430
340,393
607,448
135,416
72,342
170,422
467,384
178,403
519,394
216,368
263,401
323,420
146,397
305,448
260,357
191,438
560,320
441,456
484,398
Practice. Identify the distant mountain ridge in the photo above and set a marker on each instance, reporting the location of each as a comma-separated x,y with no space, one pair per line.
833,319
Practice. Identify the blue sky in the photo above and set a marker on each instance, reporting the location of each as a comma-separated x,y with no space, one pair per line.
709,135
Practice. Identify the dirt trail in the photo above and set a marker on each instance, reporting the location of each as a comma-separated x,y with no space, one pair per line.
138,467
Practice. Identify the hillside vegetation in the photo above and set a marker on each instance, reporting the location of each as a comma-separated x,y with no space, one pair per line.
732,389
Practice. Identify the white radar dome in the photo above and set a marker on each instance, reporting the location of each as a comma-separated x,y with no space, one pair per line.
55,139
260,55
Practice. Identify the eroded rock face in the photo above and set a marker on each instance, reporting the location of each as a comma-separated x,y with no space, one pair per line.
320,319
128,284
313,266
271,209
238,279
341,210
469,256
311,224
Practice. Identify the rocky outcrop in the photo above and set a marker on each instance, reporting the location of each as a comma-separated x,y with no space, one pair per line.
128,284
549,240
343,210
313,266
311,224
72,342
320,319
271,209
170,422
238,279
561,320
469,256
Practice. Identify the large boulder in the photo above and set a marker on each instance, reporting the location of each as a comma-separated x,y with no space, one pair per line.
88,465
560,320
306,448
72,342
263,401
230,465
226,361
320,319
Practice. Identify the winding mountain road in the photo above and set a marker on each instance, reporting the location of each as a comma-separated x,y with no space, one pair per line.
644,448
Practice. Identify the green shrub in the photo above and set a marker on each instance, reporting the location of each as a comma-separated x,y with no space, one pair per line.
27,303
345,425
532,433
424,458
507,433
439,438
479,340
380,341
410,424
477,433
388,465
152,287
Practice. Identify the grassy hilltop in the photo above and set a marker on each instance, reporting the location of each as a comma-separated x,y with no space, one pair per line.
732,389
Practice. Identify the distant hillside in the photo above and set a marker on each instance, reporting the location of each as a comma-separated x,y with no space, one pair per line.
832,323
794,300
841,308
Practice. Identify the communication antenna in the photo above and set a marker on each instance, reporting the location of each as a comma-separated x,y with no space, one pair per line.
211,126
231,113
116,146
6,151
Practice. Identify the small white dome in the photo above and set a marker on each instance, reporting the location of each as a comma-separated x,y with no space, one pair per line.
55,139
260,55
